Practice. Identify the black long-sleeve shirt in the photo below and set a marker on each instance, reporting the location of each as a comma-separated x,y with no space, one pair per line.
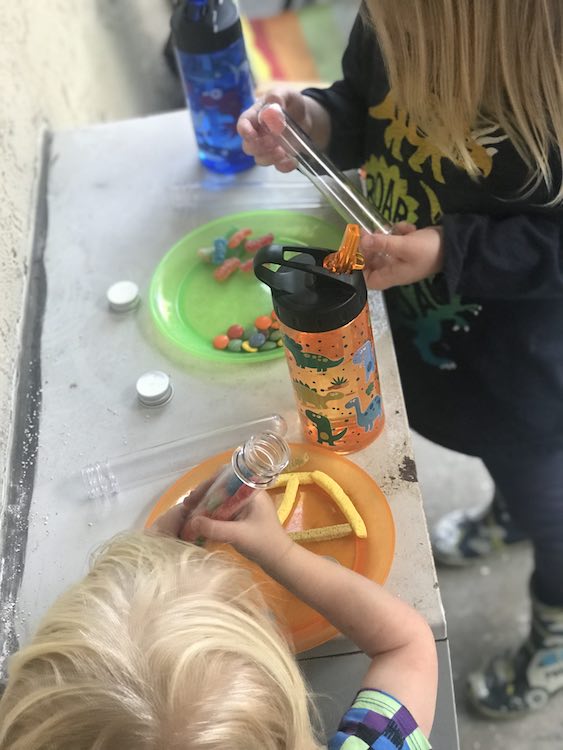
480,346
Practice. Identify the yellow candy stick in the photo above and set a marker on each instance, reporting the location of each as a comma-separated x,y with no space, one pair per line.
324,534
289,497
342,500
303,477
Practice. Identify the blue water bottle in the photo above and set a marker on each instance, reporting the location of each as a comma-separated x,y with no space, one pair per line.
211,56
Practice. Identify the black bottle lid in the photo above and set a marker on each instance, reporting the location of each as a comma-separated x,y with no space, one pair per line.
307,297
200,26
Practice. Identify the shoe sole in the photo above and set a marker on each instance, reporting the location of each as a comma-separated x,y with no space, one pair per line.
467,562
488,713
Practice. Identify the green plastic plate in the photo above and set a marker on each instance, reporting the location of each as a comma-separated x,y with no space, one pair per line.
190,307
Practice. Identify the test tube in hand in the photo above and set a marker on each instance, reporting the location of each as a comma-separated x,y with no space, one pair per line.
253,466
325,176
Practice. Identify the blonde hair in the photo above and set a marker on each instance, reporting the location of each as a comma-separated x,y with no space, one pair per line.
161,647
455,65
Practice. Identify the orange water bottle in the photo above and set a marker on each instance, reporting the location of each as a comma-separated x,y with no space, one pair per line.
325,321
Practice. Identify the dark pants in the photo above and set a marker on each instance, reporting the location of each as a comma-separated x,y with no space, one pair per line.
531,483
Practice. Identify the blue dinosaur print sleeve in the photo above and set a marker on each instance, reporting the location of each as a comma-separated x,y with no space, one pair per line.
376,721
480,345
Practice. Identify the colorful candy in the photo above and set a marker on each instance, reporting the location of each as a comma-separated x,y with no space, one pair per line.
256,340
247,348
206,254
236,238
235,331
226,269
247,266
219,250
221,341
263,336
252,246
263,322
234,244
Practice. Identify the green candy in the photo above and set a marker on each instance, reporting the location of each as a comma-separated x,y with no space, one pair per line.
275,335
266,346
234,345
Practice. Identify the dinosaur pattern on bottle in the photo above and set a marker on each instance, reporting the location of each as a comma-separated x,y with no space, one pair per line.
317,362
324,429
336,383
365,356
366,418
310,396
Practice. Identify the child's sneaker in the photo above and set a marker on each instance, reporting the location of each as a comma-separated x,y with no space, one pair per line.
514,684
465,536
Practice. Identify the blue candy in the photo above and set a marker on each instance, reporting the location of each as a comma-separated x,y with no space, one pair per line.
219,250
256,340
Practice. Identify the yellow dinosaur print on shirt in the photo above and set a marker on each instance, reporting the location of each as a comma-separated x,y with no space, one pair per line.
402,128
392,181
388,191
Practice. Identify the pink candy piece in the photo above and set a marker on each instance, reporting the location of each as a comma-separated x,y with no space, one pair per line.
247,266
236,238
226,269
231,506
252,246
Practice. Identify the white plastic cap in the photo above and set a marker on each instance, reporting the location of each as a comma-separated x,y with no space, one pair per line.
123,296
154,388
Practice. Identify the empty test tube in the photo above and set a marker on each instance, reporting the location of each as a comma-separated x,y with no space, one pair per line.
107,478
325,176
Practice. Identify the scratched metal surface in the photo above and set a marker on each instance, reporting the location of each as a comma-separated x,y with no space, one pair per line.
118,197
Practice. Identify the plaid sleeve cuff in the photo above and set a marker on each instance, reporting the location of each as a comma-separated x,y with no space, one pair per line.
376,721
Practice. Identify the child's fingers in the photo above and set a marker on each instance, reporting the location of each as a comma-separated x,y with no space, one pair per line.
171,522
274,120
382,263
403,227
372,244
215,531
259,145
193,498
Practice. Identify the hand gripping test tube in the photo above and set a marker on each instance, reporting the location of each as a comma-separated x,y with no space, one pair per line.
104,480
325,176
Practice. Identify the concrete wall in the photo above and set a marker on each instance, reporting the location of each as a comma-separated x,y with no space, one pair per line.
63,63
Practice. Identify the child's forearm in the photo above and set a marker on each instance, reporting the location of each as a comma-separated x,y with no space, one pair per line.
373,619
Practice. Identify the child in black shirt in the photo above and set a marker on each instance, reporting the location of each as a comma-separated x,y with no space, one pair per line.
455,110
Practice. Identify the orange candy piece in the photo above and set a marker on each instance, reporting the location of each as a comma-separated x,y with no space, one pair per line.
221,341
263,323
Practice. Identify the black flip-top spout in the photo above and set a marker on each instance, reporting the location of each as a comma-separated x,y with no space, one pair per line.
306,296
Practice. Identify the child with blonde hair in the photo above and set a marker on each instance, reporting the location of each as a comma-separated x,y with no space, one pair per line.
455,110
165,646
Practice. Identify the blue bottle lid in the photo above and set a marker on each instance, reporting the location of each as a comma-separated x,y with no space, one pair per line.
203,26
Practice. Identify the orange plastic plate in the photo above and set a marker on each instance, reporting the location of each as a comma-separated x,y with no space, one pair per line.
372,557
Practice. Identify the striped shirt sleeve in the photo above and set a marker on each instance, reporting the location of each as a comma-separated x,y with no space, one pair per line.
376,721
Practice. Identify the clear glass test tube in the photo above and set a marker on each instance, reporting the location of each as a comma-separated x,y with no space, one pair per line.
325,176
253,466
105,479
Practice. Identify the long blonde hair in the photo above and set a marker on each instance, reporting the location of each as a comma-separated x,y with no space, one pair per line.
161,647
459,64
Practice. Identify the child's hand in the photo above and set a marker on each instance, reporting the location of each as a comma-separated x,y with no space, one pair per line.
262,145
406,256
306,112
256,533
171,522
